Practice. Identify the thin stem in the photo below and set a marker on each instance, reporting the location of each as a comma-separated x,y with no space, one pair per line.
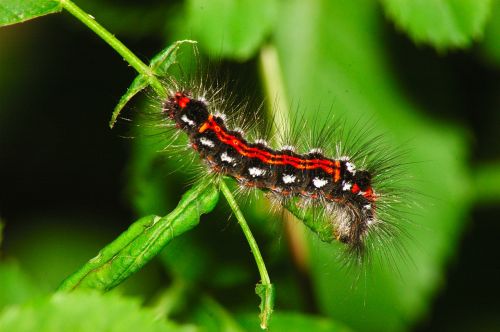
246,231
143,69
112,41
275,88
272,78
267,295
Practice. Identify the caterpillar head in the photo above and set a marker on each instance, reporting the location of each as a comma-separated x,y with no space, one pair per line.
175,103
188,113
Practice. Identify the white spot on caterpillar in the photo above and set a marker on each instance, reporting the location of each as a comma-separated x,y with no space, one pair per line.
316,150
239,131
220,115
287,178
319,183
367,207
345,158
350,168
254,171
225,157
187,120
288,148
261,141
346,186
207,142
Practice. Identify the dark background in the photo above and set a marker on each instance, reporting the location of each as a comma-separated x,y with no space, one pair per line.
63,171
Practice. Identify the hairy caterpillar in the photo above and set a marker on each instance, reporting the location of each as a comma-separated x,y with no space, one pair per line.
345,190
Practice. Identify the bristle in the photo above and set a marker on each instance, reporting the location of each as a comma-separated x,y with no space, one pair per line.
348,179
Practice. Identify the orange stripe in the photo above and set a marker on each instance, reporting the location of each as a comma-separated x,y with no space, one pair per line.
330,167
206,124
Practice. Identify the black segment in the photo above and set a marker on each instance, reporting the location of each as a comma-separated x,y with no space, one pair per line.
354,211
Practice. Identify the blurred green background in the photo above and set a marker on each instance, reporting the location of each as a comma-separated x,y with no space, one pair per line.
427,73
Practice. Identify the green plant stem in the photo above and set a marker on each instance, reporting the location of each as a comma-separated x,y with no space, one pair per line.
264,289
143,69
272,77
274,86
112,41
246,231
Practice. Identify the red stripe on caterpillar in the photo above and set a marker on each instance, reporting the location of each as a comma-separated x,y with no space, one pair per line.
336,182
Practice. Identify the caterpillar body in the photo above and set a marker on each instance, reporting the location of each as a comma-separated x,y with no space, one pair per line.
347,193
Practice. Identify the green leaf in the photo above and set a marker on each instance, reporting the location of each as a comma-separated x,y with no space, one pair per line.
351,68
442,24
188,259
161,62
293,322
321,226
142,241
231,28
15,286
138,84
17,11
491,43
159,65
211,316
83,312
266,294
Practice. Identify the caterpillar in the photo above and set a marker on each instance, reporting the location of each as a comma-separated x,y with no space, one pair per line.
346,192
